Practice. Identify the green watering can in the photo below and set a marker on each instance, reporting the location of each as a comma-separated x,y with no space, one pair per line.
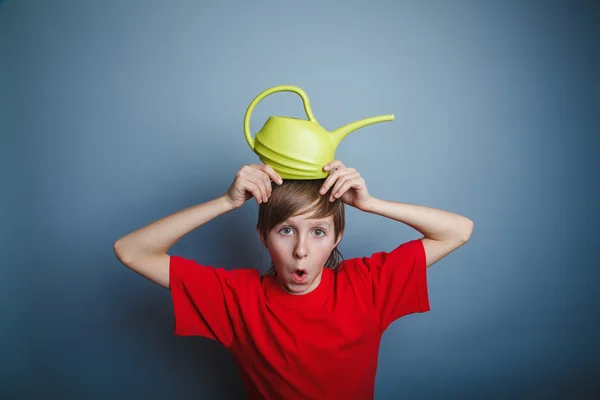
297,148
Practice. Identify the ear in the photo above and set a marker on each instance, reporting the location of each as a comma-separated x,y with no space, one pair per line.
339,239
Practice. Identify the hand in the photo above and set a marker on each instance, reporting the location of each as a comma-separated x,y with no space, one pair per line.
347,184
252,180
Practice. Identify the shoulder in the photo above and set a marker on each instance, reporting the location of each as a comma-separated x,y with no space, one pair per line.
411,251
191,270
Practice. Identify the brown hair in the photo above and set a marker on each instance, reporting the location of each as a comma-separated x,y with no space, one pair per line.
299,196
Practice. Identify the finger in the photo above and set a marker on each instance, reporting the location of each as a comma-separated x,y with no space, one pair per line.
265,183
335,164
256,194
353,182
262,181
250,180
250,187
348,185
333,177
341,185
271,173
274,175
262,185
256,187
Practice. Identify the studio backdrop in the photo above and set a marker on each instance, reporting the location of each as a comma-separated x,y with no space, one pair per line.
114,114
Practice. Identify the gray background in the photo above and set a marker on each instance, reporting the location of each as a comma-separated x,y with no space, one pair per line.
117,113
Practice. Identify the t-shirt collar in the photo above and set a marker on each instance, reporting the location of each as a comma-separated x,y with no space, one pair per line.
276,294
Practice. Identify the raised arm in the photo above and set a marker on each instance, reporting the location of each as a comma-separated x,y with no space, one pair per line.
443,231
145,250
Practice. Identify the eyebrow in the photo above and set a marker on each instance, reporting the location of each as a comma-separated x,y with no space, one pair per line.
315,223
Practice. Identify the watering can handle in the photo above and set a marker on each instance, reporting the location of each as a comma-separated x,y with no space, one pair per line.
257,99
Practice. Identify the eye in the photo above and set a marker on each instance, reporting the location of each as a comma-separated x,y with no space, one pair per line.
286,231
320,232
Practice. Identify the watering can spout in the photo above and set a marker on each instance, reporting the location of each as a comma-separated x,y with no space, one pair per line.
341,132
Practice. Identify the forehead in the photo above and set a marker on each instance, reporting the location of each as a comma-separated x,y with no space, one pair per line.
302,219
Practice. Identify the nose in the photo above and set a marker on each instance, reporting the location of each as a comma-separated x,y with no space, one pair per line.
300,250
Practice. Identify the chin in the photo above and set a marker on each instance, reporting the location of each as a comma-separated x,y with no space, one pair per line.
296,289
292,286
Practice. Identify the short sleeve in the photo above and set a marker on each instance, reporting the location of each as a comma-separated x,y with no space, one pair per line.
203,300
399,282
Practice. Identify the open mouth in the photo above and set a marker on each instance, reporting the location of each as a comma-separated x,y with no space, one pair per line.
299,275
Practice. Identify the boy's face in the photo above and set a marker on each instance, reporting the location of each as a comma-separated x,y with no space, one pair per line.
299,248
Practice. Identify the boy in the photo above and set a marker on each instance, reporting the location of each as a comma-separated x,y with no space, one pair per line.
311,327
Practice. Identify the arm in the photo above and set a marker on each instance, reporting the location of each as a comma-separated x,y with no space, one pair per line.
145,250
443,231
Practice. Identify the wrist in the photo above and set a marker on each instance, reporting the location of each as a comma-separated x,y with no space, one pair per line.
226,202
369,205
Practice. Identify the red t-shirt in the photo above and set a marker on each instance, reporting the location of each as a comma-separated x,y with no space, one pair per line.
321,345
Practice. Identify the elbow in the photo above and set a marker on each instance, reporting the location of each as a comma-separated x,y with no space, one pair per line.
129,254
121,252
118,249
467,231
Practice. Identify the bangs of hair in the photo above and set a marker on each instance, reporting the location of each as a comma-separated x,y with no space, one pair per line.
295,198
